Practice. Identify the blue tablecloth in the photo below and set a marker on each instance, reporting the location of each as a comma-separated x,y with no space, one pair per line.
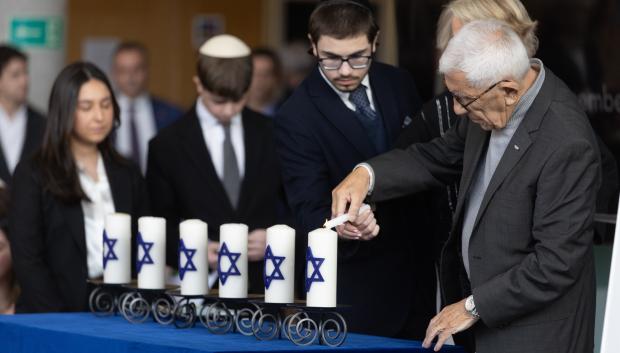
83,332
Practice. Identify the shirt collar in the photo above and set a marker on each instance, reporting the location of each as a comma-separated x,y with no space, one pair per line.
529,96
123,100
19,114
208,120
100,168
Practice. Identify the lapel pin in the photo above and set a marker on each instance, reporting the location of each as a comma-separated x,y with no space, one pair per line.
516,147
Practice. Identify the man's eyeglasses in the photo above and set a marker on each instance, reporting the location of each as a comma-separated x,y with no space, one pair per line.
467,101
355,61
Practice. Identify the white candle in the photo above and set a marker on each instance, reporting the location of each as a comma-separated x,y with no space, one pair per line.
233,261
280,265
321,268
151,261
117,249
193,265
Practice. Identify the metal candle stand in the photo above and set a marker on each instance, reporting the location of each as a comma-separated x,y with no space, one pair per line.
105,298
137,304
267,322
226,315
218,315
185,311
304,326
298,323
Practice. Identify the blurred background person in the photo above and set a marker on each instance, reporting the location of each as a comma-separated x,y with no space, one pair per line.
61,196
8,285
142,115
296,65
21,127
265,92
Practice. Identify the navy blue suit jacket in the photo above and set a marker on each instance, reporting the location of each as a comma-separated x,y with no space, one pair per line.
165,113
319,141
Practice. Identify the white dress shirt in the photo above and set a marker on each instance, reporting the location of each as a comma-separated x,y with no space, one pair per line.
213,133
12,135
344,96
101,203
146,127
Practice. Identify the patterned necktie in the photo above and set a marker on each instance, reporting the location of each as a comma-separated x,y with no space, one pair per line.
359,98
231,178
136,156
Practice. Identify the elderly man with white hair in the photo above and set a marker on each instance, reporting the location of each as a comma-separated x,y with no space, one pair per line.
517,272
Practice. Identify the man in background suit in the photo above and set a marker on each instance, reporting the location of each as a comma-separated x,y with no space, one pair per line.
351,108
142,115
518,267
21,127
218,162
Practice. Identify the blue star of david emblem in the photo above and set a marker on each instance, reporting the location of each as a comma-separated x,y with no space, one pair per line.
316,263
146,256
276,274
233,270
189,264
108,243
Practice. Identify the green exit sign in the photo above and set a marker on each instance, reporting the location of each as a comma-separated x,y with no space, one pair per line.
41,32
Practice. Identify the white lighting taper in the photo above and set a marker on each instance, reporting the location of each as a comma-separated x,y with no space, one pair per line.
334,222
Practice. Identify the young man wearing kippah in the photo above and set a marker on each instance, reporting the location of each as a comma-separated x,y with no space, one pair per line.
218,162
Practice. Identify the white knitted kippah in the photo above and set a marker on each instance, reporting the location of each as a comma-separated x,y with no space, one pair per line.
225,46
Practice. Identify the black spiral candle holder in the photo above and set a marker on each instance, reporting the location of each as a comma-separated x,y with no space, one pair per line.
298,323
138,304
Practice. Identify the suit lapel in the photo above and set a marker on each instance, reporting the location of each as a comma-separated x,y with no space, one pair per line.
521,140
517,147
252,140
74,217
4,169
476,142
120,186
344,120
196,149
30,142
385,101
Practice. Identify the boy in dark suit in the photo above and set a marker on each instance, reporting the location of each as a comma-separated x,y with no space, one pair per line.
218,162
142,114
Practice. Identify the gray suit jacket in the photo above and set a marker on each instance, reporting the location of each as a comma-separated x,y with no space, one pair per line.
532,270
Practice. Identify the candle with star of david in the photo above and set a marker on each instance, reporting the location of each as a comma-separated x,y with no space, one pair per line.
151,259
279,269
117,249
321,268
233,261
193,265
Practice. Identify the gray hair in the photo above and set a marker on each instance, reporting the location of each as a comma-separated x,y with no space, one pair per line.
486,52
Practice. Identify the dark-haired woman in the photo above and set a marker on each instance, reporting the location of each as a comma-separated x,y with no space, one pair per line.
61,196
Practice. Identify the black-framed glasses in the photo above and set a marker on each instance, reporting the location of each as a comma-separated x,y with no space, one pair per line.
355,61
463,101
